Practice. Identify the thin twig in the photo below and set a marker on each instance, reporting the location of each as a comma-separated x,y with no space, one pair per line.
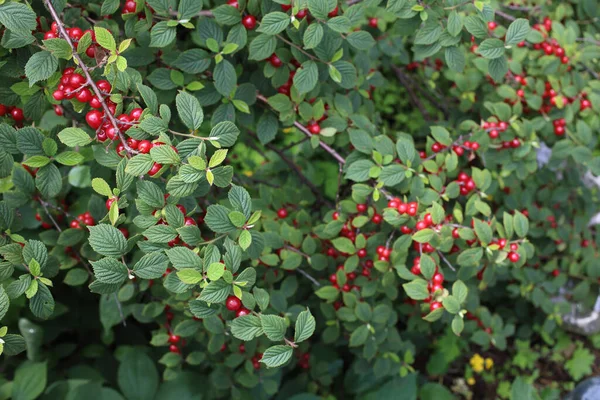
413,96
81,64
446,261
298,172
505,15
303,129
304,273
120,310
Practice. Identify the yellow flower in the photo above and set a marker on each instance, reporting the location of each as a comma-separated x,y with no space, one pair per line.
287,130
489,363
248,173
471,381
477,362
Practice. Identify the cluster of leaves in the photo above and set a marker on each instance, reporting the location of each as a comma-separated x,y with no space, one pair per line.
387,179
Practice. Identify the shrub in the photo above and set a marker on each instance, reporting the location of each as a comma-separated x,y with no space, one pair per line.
309,200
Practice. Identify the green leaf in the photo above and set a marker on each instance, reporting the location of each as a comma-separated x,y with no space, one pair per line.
455,23
276,356
17,17
49,180
451,304
491,48
428,34
498,67
417,289
137,376
361,40
164,155
189,110
458,325
60,48
69,158
151,266
36,161
30,378
42,304
313,36
262,47
306,77
4,302
105,39
470,257
327,293
74,137
162,34
344,245
359,336
476,26
190,276
225,133
274,23
246,327
521,224
483,231
217,219
109,270
305,326
517,31
40,66
455,58
216,292
107,240
225,78
101,187
459,291
273,326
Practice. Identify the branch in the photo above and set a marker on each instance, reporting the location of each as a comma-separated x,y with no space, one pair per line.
303,129
90,81
298,172
413,96
505,15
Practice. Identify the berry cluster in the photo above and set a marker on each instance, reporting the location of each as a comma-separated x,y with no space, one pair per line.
466,183
346,287
434,285
14,112
304,361
84,219
234,304
75,34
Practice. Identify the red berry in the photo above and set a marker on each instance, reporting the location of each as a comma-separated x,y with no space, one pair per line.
275,61
559,130
144,146
585,103
438,278
373,22
435,305
233,303
377,218
94,119
333,12
104,86
362,253
492,25
84,95
302,13
110,201
155,168
135,114
91,51
58,95
50,35
514,257
75,33
555,272
17,114
174,339
174,349
314,128
189,221
74,224
249,22
361,208
129,7
241,312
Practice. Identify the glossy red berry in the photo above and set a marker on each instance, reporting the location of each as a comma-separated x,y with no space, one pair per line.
84,95
104,86
435,305
75,33
282,213
361,208
110,201
373,22
154,170
362,253
174,339
241,312
233,303
94,119
249,22
492,25
58,95
438,278
144,146
514,257
174,349
135,114
314,128
275,61
17,114
129,7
